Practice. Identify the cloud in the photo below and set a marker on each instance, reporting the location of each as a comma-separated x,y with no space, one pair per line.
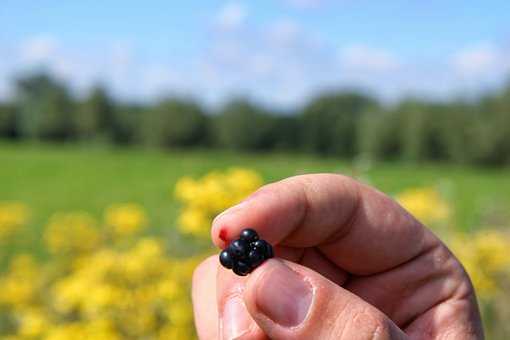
368,59
38,49
481,60
305,4
279,63
231,16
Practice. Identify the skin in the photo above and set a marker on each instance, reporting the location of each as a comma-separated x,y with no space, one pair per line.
366,269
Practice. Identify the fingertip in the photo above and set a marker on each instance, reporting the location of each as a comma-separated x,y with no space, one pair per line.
219,235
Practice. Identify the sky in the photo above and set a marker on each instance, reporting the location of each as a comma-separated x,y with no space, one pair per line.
279,52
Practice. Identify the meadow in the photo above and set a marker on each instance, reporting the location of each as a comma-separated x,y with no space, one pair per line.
54,178
167,199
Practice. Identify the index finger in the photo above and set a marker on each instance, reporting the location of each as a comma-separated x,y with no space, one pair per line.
357,227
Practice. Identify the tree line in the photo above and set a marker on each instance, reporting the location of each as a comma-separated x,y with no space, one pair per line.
346,124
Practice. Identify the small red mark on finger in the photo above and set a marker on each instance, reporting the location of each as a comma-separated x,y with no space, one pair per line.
223,235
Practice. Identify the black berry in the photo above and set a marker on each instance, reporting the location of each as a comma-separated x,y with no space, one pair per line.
226,259
239,248
246,253
249,235
241,268
256,257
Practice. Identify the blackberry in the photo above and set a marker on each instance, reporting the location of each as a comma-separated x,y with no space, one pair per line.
226,259
239,249
241,268
246,253
249,235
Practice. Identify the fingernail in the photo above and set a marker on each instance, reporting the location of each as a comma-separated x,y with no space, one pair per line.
284,297
235,320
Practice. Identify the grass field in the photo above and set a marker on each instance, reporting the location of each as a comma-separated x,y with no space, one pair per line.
69,178
74,177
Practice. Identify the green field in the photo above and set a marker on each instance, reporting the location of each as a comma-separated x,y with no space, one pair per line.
53,178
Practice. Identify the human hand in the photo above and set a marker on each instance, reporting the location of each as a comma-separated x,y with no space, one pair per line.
352,264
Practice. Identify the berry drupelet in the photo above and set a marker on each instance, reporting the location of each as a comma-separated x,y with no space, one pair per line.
246,253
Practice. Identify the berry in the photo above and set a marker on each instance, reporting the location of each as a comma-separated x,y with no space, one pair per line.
226,259
249,235
239,248
256,257
246,253
259,244
241,268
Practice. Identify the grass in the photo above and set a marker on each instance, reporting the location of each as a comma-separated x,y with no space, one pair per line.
52,178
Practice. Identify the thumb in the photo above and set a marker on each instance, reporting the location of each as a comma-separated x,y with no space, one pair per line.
289,301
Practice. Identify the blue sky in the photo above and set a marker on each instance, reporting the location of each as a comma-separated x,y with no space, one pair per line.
278,52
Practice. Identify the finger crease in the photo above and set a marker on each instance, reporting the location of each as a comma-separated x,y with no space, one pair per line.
346,227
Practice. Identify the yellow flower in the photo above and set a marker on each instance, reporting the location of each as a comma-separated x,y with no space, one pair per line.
484,255
206,197
175,332
20,285
194,221
33,323
125,219
71,233
13,215
99,329
426,204
180,312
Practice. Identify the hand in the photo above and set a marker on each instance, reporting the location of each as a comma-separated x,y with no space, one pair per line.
351,264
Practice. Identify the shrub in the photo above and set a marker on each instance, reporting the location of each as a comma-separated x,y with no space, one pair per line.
45,107
175,122
9,127
330,123
242,125
96,115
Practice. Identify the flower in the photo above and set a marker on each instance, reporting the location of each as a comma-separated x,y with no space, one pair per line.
484,256
125,219
426,204
202,199
13,215
74,232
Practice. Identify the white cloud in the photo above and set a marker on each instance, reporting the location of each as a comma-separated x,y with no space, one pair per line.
368,59
305,4
479,61
38,49
284,32
231,16
281,63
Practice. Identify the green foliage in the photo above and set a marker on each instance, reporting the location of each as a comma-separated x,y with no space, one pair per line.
96,115
127,122
330,123
420,131
493,130
347,124
242,125
8,121
45,107
379,135
175,122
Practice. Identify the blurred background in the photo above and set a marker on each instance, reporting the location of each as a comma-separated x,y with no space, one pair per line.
126,127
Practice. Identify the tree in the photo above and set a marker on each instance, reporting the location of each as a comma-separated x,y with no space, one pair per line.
96,115
330,122
45,107
8,121
175,122
242,125
493,129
